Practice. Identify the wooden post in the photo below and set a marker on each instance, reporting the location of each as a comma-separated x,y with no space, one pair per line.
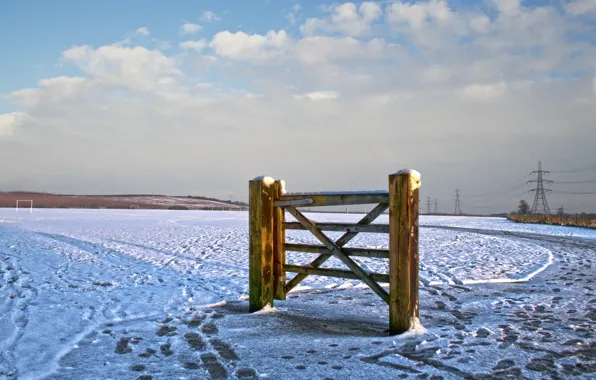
261,232
279,241
403,250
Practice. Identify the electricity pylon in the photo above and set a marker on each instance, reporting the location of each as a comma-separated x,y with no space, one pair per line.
540,205
457,203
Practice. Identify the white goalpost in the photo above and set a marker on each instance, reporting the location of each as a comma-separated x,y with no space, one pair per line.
30,201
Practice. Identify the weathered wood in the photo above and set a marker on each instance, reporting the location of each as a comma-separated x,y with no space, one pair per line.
261,235
337,199
348,227
279,241
321,249
337,252
403,250
343,240
294,203
380,277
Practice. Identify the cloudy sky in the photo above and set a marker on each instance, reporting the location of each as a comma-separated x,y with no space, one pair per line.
197,97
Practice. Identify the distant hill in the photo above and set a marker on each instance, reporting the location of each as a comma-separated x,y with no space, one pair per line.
123,201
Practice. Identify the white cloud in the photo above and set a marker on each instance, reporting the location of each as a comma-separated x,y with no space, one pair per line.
487,91
189,28
143,31
52,88
136,67
209,16
370,11
316,50
480,23
293,15
404,74
204,85
64,85
413,14
416,15
27,96
436,74
318,95
163,45
346,19
247,47
580,7
194,45
508,7
9,122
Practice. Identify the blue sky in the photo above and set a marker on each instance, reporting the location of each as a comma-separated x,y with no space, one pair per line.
33,33
450,75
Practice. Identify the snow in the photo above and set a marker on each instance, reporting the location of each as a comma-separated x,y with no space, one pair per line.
164,200
100,294
268,181
414,177
502,224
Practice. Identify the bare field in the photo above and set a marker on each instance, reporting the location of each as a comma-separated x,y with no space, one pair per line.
573,220
42,200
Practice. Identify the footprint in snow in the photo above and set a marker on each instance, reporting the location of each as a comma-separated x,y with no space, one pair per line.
215,368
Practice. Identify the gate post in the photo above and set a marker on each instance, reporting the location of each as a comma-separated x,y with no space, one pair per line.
279,241
403,250
261,236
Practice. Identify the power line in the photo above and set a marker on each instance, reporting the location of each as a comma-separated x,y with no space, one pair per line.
500,188
499,198
574,192
504,202
587,168
428,205
436,210
575,182
501,193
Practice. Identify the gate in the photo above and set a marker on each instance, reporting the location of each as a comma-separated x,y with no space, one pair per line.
267,245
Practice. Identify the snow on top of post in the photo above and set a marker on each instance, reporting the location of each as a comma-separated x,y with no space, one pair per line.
266,180
414,177
283,186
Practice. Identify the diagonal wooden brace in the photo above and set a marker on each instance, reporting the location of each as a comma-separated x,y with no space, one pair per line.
343,240
337,252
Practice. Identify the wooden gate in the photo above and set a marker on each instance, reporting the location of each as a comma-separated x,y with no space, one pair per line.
267,245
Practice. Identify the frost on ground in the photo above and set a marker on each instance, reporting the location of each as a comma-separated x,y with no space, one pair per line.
132,294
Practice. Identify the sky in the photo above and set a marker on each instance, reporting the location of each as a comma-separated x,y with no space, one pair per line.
198,97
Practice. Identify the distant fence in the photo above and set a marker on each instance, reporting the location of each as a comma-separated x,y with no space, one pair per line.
572,220
267,245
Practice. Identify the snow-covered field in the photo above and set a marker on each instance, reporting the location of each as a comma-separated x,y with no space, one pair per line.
164,200
135,294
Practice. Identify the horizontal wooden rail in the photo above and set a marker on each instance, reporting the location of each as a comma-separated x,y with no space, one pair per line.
331,199
321,249
334,273
347,227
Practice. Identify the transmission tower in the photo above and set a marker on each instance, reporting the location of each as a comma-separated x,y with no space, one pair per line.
436,210
428,205
540,205
457,203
